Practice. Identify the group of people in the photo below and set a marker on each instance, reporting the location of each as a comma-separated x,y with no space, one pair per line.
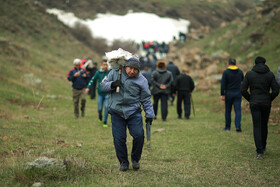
84,77
125,92
263,89
127,103
167,81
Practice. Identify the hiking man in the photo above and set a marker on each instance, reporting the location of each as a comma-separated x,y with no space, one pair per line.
147,74
184,86
260,80
278,76
230,93
78,76
175,72
161,81
102,97
91,68
125,109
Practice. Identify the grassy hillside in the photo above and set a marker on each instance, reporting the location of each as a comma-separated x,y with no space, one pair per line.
36,115
33,42
255,34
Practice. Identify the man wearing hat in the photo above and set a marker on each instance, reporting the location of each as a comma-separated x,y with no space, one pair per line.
230,93
125,109
260,80
78,77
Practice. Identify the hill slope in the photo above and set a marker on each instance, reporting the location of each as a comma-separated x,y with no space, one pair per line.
36,52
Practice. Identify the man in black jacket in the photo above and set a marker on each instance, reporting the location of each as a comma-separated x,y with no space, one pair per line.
184,86
260,80
161,81
175,72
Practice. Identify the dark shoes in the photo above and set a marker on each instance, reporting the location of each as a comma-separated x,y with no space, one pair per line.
259,156
124,167
83,114
226,129
135,165
238,130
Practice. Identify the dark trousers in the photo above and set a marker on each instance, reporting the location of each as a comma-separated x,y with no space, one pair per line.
171,95
163,102
92,91
260,115
233,98
184,97
135,126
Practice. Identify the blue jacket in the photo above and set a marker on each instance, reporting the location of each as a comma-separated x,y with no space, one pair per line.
78,83
134,94
231,79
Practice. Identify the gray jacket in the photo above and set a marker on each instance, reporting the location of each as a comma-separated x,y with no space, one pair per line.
278,76
159,77
134,94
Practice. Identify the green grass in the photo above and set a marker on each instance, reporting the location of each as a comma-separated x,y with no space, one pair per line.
183,152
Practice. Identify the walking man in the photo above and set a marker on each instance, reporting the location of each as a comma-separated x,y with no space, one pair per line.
161,81
260,80
91,69
102,97
125,110
175,72
230,93
78,76
184,86
278,76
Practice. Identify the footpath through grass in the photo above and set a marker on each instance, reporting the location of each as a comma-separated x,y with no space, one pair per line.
195,152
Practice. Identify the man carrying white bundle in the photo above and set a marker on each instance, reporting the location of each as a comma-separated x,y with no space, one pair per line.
125,108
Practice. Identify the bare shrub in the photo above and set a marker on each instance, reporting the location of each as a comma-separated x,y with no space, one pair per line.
99,45
242,5
125,45
83,34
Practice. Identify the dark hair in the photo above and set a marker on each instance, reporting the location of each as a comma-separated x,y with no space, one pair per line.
231,61
260,59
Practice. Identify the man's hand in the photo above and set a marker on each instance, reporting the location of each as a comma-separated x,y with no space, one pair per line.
115,84
84,75
162,86
77,74
87,90
222,97
150,120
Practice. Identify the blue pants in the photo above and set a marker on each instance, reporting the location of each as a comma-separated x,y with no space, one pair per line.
233,98
103,100
135,126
